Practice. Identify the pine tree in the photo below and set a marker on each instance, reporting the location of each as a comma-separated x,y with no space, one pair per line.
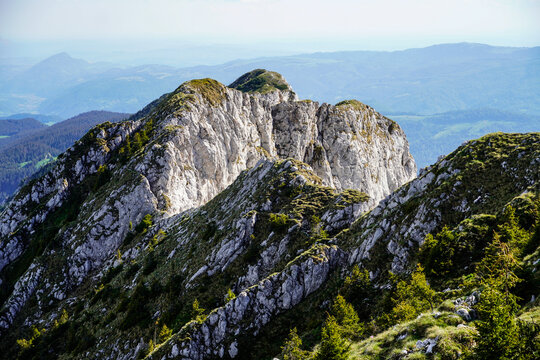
346,317
230,296
496,269
128,150
291,350
437,253
333,346
197,312
358,290
151,346
412,297
498,334
165,333
137,142
510,232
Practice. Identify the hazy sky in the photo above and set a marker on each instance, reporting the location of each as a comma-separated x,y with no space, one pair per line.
311,24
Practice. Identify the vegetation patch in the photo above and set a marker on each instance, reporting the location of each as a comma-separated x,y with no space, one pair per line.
260,81
211,90
355,104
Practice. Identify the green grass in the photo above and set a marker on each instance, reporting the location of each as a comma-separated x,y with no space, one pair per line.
45,161
355,104
389,344
211,90
260,81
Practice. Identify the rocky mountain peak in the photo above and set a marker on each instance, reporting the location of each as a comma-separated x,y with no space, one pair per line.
173,157
242,198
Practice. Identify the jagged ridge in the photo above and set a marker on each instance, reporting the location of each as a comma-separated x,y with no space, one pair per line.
185,149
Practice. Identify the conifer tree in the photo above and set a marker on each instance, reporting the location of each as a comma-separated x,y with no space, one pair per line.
412,297
291,350
437,253
333,346
230,296
359,291
510,232
346,317
496,269
197,312
165,333
137,142
151,346
498,334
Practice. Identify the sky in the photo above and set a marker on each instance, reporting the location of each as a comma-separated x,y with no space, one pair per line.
274,26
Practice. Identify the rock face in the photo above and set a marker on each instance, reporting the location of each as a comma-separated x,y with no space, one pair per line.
274,295
225,131
350,146
177,154
114,235
481,176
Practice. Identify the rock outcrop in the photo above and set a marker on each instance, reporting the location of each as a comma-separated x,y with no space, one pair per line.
481,176
383,239
177,154
268,250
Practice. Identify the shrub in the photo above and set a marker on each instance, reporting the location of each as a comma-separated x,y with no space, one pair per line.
333,346
291,350
145,223
278,221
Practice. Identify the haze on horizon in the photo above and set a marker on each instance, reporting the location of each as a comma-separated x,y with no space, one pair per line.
213,31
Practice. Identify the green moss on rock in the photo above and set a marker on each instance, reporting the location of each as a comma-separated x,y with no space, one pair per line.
210,89
355,104
261,81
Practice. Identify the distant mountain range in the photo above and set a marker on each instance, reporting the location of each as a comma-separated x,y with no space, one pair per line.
429,80
433,135
12,128
491,88
45,119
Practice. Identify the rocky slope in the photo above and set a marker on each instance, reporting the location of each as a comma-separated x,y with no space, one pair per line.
176,154
480,177
241,200
386,238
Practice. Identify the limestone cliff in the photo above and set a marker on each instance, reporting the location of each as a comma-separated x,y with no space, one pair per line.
255,206
177,154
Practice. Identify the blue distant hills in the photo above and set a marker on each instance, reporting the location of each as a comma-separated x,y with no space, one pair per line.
443,93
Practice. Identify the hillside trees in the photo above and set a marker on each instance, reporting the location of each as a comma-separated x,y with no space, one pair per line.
412,297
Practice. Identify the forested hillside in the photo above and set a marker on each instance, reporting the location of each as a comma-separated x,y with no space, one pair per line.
12,129
24,156
433,135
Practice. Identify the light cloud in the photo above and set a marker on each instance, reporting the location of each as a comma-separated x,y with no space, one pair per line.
511,21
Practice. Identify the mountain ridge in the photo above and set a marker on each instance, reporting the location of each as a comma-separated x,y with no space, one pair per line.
204,126
254,205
